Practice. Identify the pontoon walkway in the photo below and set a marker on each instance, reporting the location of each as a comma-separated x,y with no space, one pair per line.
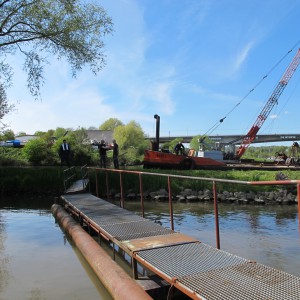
198,270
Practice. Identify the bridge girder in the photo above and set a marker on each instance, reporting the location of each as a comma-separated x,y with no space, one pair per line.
227,139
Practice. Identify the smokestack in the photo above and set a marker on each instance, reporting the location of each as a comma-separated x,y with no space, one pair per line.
156,147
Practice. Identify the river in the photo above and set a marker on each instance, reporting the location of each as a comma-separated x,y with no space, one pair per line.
38,262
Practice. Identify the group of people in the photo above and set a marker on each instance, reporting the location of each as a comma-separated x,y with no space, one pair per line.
103,148
65,153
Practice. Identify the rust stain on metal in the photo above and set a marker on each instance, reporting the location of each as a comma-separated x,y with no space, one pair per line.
158,241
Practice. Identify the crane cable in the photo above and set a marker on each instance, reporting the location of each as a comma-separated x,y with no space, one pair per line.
217,124
285,103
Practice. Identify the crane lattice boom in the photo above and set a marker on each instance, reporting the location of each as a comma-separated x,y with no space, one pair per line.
249,138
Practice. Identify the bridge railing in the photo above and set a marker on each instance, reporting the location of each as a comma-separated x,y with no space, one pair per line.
69,177
169,177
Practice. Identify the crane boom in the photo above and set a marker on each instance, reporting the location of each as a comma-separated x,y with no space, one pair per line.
249,138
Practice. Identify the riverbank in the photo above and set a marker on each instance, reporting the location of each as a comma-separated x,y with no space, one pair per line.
276,197
50,181
31,181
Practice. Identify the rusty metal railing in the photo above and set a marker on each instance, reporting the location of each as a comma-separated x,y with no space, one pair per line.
69,177
169,177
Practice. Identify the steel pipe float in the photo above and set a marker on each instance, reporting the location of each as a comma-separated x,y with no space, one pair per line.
118,283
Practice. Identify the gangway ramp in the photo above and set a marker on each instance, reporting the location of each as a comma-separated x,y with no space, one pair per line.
197,269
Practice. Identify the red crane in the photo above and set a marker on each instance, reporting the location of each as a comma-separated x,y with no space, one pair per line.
249,138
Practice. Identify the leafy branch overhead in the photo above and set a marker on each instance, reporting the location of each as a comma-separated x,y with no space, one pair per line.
71,29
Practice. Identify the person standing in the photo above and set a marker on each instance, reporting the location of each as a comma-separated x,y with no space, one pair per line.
179,149
102,152
64,153
115,148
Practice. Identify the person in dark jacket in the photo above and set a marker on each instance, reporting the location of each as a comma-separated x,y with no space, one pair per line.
115,148
65,153
103,148
179,149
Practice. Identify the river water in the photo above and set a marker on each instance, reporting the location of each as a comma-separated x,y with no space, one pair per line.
38,262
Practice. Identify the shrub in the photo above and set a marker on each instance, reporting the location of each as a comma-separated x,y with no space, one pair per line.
36,151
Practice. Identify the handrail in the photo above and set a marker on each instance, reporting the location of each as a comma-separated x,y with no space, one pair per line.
69,176
214,185
84,176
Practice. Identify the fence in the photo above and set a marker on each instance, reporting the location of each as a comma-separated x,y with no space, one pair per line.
169,177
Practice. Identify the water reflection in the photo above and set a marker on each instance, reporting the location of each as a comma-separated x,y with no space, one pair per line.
37,261
266,234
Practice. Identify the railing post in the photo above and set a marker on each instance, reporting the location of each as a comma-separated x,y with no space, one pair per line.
216,215
89,179
97,191
141,193
122,193
106,181
170,203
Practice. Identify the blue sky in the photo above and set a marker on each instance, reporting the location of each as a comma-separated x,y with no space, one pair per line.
189,61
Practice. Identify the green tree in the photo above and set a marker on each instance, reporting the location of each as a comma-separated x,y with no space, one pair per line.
40,133
81,152
7,135
201,141
171,144
5,107
36,151
110,124
20,133
131,140
60,132
72,29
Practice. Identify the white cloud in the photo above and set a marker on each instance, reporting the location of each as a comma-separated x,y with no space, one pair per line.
242,56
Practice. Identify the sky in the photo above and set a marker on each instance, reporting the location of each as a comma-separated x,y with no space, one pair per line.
192,62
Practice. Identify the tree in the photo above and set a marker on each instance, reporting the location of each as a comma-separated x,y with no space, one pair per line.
21,133
81,152
111,124
204,144
72,29
5,108
7,135
36,151
131,140
60,132
171,144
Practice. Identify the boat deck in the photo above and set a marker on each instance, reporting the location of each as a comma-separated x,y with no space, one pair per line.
196,269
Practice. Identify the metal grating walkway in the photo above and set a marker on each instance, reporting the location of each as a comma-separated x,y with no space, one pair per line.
198,270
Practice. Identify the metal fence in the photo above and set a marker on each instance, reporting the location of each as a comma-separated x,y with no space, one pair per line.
169,177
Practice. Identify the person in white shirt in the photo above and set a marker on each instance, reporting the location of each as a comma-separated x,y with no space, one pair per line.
64,153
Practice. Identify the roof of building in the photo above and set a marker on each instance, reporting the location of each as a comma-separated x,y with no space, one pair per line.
98,135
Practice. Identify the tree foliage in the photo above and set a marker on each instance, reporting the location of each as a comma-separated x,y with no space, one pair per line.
5,107
131,140
169,146
111,124
71,29
36,151
7,135
202,142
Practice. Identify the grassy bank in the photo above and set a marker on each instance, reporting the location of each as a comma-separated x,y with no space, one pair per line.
31,180
49,180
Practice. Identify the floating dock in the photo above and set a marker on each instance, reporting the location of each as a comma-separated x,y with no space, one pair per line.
194,268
